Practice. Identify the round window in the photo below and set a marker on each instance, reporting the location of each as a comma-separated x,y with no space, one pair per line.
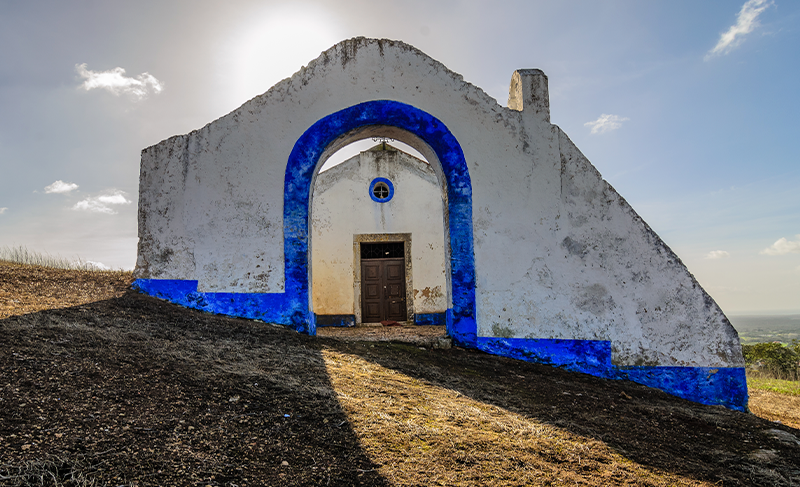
381,190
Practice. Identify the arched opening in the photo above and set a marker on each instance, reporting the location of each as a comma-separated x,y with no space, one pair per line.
430,137
355,148
378,243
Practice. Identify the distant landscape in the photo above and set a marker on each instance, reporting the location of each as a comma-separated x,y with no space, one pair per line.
766,328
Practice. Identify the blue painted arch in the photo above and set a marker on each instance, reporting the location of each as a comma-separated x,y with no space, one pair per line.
300,171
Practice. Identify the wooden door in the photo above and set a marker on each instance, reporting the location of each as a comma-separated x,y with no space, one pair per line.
383,290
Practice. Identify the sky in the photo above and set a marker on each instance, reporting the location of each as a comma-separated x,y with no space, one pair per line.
691,110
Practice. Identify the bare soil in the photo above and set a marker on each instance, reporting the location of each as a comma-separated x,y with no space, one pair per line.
100,385
423,336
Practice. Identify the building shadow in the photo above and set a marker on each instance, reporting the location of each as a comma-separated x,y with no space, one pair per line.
136,391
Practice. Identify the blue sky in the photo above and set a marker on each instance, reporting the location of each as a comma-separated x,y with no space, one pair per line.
689,109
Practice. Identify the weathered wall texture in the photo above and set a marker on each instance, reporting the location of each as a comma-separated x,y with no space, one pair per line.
565,272
342,207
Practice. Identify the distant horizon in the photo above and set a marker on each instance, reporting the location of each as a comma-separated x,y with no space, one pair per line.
748,313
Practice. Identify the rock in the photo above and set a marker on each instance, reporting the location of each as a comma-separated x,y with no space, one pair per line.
444,343
783,436
763,455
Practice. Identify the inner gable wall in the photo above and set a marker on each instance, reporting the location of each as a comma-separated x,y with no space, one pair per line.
343,215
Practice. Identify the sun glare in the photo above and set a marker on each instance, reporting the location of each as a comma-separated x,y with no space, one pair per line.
272,46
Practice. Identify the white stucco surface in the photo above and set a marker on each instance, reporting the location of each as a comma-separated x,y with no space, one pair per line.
558,253
342,208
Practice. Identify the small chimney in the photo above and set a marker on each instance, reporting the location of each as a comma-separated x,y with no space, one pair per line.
528,92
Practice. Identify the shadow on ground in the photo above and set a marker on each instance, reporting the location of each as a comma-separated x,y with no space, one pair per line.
134,391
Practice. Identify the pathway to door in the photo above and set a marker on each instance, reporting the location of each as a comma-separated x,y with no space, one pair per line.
421,336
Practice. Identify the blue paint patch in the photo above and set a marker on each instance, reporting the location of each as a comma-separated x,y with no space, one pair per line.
335,320
435,319
268,307
714,386
462,328
723,386
388,184
588,356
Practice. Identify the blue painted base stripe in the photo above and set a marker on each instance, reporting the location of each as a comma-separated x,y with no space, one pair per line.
723,386
270,307
588,356
335,320
462,329
714,386
435,319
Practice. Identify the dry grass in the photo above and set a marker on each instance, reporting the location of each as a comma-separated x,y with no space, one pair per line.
21,255
40,288
421,432
776,407
773,398
53,472
781,386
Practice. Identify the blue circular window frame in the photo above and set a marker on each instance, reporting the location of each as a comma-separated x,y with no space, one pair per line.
295,309
372,189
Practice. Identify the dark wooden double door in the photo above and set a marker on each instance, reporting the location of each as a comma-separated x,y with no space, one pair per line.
383,290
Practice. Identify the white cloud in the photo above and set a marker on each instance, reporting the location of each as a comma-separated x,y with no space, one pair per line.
717,254
606,123
745,23
103,203
115,81
783,247
113,199
3,210
60,187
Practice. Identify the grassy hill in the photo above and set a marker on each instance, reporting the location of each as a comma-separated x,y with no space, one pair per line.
102,386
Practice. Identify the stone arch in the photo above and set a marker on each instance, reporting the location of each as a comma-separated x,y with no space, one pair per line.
336,130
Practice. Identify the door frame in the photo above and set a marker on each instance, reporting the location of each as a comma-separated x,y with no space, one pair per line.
382,237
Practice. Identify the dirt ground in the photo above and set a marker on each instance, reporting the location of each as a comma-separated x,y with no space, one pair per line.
422,336
100,385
